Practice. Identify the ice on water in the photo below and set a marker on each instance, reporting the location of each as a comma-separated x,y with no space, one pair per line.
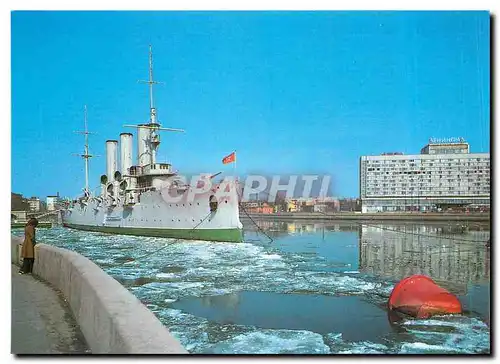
272,342
200,269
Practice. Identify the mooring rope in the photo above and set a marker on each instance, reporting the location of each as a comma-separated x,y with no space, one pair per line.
248,215
163,247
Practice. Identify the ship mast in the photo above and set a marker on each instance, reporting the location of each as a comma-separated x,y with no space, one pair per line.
152,140
86,154
151,82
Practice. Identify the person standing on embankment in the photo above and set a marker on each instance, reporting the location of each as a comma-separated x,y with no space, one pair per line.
28,249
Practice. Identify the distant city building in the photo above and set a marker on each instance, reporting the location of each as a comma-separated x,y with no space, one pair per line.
52,202
444,175
313,204
18,216
259,208
320,208
292,205
248,205
34,203
350,204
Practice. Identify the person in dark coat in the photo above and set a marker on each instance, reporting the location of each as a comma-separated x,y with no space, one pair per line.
28,249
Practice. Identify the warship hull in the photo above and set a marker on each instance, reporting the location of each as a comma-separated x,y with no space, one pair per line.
190,219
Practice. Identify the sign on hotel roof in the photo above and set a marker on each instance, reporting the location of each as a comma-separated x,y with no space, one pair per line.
446,140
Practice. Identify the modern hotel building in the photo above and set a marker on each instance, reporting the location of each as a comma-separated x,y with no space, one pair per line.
444,174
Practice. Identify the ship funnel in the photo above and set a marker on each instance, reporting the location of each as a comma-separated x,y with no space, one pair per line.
143,145
125,152
111,154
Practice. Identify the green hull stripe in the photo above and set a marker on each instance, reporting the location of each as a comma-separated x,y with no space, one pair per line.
23,224
231,235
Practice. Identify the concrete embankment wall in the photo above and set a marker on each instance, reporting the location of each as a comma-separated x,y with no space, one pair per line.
370,217
111,318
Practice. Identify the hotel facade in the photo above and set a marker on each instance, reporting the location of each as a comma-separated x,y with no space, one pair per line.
444,174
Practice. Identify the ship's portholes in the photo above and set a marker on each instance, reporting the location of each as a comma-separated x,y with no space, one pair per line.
213,203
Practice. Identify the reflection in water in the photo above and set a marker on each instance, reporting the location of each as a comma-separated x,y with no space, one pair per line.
283,228
399,251
227,301
453,254
317,313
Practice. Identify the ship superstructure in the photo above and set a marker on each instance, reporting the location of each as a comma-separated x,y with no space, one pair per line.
147,198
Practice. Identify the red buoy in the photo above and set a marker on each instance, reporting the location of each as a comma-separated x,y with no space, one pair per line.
421,297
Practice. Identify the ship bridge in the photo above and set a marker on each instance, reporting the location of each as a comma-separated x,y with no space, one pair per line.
150,176
153,169
157,169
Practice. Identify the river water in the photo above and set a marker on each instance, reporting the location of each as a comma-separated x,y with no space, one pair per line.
315,288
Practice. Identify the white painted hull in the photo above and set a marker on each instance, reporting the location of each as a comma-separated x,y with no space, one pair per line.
156,216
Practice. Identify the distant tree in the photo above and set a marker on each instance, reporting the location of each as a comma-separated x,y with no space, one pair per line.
43,206
358,205
18,203
280,202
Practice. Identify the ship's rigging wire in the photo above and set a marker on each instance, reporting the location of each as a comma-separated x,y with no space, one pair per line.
163,247
248,215
53,212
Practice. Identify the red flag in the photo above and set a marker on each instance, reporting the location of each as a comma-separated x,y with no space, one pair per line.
230,158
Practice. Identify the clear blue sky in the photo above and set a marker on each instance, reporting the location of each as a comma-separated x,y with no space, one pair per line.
292,92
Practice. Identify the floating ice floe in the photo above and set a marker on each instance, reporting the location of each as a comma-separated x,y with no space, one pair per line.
272,342
452,333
